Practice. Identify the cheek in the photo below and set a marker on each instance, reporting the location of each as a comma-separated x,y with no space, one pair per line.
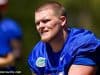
37,28
52,24
55,28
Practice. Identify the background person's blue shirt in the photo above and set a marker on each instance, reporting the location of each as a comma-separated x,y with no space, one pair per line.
79,48
9,30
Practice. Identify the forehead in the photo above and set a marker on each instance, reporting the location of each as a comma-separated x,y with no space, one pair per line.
45,13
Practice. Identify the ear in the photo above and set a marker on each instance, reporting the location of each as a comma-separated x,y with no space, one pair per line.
63,20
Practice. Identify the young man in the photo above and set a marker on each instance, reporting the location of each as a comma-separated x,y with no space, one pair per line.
62,50
10,39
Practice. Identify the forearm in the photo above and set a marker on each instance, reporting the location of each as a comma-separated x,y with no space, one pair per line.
33,73
6,61
16,48
82,70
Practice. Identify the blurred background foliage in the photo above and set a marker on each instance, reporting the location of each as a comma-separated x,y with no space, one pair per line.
81,13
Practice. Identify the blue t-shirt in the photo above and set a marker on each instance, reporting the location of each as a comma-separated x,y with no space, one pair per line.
9,30
79,48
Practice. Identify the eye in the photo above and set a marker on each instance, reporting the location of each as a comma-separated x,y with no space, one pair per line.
45,21
42,21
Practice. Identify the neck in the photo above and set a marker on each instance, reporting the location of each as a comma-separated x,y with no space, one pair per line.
58,42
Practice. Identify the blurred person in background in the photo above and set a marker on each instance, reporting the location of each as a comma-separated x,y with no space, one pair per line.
10,39
62,50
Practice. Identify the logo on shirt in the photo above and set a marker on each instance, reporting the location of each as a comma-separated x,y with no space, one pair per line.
40,62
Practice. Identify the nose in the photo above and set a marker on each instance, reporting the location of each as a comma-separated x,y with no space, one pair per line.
41,25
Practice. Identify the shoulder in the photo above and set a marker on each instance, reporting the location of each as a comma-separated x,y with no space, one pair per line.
82,40
82,33
36,55
39,46
9,24
84,46
11,28
83,36
37,50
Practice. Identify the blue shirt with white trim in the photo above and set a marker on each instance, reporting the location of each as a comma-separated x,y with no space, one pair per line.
79,48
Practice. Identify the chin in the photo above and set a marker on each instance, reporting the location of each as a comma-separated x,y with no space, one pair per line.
45,39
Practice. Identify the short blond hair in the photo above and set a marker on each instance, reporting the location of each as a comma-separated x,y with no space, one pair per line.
56,6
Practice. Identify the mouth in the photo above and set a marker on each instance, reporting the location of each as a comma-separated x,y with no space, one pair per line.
43,32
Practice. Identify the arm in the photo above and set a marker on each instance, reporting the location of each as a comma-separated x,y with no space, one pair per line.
85,58
82,70
10,58
33,73
14,32
6,61
16,47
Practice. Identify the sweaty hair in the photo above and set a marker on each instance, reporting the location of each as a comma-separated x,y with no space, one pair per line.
56,6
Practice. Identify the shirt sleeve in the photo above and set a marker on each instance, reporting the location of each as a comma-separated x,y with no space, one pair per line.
32,63
12,29
86,54
4,51
32,60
